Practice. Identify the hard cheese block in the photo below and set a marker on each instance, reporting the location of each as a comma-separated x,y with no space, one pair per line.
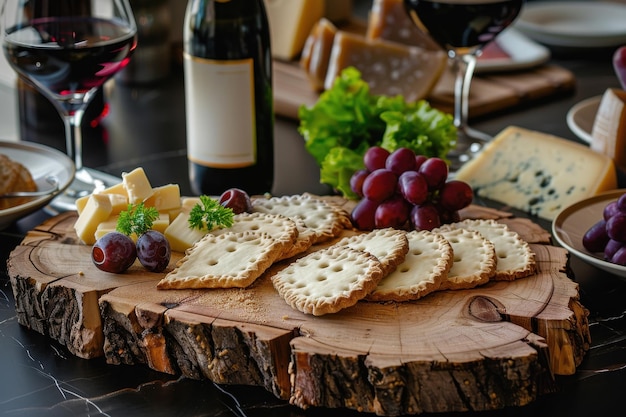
389,20
609,127
537,173
290,23
316,52
388,67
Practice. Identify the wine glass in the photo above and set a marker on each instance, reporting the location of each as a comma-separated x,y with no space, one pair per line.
67,49
463,28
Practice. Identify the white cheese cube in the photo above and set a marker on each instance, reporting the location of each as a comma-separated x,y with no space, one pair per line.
180,235
97,210
164,198
137,185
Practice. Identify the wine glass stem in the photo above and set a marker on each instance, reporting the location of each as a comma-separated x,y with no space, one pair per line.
74,137
463,66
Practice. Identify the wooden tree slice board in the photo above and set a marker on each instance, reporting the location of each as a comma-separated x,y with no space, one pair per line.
489,93
482,349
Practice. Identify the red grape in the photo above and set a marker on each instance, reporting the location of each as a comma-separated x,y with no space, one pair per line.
153,251
616,227
114,252
413,187
237,200
380,185
619,65
455,195
610,210
393,212
363,214
425,217
619,257
611,247
375,158
419,160
596,238
401,160
435,172
356,181
621,203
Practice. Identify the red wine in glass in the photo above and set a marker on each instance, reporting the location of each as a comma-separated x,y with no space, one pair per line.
68,57
455,24
462,28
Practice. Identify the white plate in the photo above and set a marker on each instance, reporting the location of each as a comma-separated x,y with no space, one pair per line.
580,118
571,224
523,53
574,24
42,162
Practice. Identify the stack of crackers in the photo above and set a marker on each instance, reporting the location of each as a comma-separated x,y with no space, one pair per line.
14,177
329,266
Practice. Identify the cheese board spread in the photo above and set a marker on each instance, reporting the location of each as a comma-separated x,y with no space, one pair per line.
253,336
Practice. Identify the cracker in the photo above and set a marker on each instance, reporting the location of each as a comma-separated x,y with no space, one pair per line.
224,261
328,280
324,221
282,229
474,259
303,242
425,267
515,258
388,245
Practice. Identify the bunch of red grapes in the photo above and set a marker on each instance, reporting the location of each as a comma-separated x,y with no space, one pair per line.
608,235
406,191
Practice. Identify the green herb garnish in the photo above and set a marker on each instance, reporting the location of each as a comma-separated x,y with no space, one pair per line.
348,119
209,214
137,219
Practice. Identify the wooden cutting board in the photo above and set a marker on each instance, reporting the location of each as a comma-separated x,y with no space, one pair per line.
488,92
482,349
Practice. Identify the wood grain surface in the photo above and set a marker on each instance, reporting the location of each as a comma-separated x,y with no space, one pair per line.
482,349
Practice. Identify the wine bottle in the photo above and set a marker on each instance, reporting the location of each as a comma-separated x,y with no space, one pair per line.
228,96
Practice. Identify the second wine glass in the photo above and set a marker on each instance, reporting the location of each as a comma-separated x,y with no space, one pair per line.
67,50
463,28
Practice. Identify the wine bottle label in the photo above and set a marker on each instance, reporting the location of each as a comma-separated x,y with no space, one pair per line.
221,126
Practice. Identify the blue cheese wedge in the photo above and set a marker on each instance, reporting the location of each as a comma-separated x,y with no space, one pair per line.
538,173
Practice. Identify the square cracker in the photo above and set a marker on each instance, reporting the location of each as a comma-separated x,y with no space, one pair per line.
321,220
224,261
281,228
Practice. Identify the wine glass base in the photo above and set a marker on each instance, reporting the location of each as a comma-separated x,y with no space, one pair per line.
85,182
470,142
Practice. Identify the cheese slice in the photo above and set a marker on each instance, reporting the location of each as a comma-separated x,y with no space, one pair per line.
536,172
388,20
609,127
388,67
291,22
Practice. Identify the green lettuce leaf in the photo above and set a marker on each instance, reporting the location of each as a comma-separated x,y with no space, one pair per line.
347,120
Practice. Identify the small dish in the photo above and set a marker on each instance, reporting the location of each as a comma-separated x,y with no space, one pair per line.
521,53
580,117
574,24
571,223
42,163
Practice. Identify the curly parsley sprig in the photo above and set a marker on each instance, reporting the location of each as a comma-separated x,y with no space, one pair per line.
137,219
209,214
